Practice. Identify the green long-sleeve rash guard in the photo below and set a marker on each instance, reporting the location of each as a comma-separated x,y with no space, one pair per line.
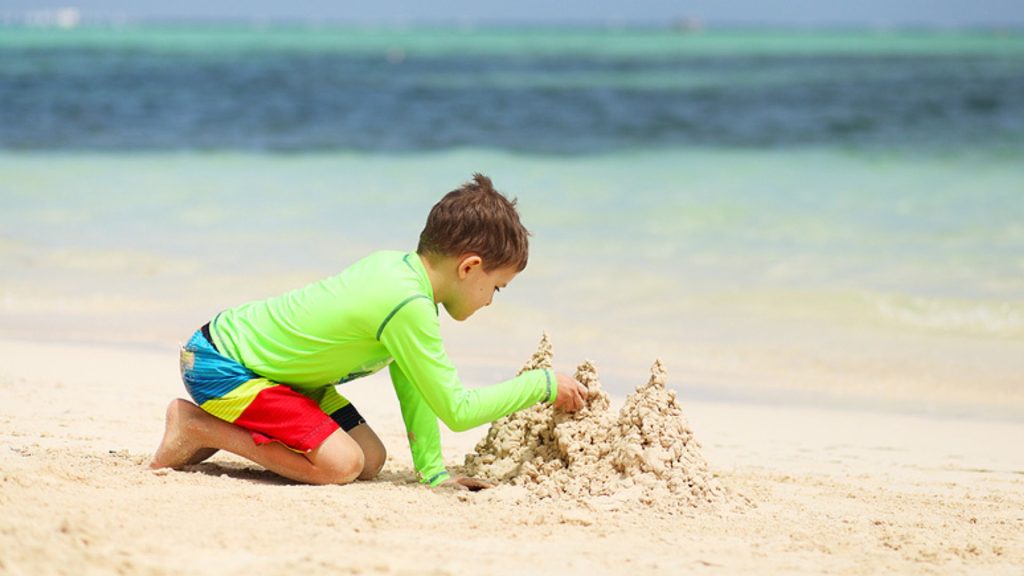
378,312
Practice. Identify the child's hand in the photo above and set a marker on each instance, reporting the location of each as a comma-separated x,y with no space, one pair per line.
570,394
467,483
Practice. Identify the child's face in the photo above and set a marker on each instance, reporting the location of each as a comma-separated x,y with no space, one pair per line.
475,287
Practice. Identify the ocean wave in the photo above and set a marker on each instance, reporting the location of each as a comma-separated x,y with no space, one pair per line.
1002,319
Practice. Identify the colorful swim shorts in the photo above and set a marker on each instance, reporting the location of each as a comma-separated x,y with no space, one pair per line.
270,411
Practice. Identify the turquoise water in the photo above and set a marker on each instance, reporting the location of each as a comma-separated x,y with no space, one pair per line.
746,271
550,91
519,41
927,234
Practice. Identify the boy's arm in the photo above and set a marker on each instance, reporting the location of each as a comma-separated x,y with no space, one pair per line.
413,337
421,427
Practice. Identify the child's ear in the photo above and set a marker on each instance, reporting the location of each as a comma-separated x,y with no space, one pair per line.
467,264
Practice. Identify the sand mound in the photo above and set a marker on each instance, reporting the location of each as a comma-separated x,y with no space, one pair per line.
646,453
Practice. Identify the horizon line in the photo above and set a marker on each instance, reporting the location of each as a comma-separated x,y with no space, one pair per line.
678,25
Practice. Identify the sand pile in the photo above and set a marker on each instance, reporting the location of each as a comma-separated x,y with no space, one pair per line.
645,453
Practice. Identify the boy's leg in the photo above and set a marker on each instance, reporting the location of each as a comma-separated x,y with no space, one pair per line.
202,455
190,430
351,421
374,453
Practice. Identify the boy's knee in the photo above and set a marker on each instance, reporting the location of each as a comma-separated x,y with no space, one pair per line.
339,460
342,471
373,463
348,469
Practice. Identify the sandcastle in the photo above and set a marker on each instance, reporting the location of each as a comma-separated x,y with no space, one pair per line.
646,453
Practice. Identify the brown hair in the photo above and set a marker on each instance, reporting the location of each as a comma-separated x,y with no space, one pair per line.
476,218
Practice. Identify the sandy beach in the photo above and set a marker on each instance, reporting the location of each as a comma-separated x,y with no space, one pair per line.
830,491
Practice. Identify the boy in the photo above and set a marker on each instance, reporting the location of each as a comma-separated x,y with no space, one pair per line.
263,374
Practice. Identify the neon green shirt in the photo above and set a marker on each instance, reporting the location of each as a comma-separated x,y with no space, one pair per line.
378,312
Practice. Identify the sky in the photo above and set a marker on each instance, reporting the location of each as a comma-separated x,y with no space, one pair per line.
746,12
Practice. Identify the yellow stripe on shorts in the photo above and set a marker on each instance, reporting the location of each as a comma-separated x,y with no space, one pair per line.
231,405
327,398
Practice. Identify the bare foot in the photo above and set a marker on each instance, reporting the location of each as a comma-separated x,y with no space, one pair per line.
201,455
178,448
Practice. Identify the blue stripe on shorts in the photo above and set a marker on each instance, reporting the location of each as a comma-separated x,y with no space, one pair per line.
210,374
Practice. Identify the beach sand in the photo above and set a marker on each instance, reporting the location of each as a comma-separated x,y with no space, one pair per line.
831,491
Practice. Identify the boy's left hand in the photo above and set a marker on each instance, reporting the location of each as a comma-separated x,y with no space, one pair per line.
467,483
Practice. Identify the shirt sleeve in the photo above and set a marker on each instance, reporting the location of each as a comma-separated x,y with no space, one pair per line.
413,338
421,428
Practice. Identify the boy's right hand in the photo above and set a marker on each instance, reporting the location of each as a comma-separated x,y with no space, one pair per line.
570,394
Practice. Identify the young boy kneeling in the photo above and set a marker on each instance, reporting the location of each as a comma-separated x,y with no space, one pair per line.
262,375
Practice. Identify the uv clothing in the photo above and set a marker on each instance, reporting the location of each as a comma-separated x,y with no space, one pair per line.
378,312
271,412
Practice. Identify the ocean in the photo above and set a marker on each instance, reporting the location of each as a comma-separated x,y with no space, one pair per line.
549,91
781,216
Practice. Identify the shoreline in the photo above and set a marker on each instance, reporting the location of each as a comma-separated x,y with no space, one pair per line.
714,390
713,419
